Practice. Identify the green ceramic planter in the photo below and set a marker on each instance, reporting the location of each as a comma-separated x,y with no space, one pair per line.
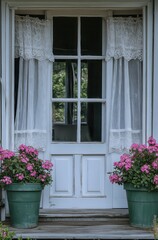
24,202
142,206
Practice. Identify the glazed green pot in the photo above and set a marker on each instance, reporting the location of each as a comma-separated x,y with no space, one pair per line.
142,206
24,202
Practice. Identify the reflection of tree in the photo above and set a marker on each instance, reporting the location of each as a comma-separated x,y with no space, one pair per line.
84,88
59,88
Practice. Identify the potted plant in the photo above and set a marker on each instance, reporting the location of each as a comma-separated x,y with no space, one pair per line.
138,172
23,175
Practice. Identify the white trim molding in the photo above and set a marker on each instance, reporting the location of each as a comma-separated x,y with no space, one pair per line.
155,75
39,4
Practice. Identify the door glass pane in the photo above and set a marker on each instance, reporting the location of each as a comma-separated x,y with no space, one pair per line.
64,117
65,35
65,79
91,79
91,36
91,122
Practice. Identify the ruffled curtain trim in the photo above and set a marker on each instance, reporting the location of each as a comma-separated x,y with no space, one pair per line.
124,38
33,38
120,140
35,138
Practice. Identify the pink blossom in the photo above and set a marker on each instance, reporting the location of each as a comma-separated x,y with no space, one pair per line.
134,146
33,174
155,164
29,167
4,234
152,149
42,177
151,141
20,176
125,162
6,180
156,179
114,178
128,165
6,154
141,148
145,168
47,165
28,149
23,158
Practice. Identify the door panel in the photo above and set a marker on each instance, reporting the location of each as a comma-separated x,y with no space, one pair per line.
93,171
63,176
79,182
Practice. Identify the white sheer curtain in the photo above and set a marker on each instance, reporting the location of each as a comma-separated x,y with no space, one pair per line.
124,50
33,47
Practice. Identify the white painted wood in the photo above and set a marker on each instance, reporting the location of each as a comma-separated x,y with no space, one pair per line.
155,77
63,176
144,109
93,176
7,41
40,4
149,67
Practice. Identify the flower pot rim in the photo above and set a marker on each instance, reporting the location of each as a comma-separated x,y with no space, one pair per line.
130,187
24,187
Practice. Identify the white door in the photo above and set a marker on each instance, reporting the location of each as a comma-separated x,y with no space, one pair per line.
78,116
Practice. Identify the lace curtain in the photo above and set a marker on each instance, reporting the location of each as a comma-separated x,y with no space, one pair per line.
33,47
124,50
124,38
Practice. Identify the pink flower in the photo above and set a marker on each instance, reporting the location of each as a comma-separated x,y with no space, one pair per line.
125,162
145,168
23,158
4,234
20,176
156,179
47,165
114,178
33,174
6,154
155,164
152,149
28,149
134,146
6,180
141,148
151,141
29,167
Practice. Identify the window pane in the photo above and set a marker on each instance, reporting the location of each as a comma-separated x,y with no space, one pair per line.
64,117
91,36
65,79
91,122
91,79
65,35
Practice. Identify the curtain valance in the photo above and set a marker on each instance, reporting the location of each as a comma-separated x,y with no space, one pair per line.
33,38
124,38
